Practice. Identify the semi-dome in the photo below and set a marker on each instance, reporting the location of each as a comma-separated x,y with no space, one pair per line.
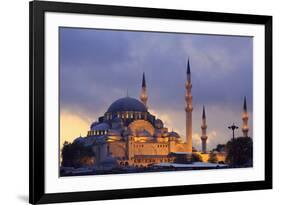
127,104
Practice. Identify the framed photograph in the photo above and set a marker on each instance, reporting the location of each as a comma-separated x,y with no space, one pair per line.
132,102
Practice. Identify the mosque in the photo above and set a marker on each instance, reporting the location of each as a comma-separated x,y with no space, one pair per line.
129,135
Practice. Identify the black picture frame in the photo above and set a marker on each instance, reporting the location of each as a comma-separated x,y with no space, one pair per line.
37,11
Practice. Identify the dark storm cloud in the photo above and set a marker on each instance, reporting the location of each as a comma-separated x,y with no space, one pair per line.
99,66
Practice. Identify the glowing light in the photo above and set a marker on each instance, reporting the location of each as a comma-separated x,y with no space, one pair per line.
68,132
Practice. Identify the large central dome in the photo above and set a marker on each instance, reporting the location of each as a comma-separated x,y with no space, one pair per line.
127,104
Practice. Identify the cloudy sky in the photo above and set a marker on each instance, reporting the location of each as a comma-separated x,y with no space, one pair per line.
98,66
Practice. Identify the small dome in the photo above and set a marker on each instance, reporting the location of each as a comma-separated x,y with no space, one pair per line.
79,140
143,133
93,124
127,104
174,134
99,126
158,124
90,140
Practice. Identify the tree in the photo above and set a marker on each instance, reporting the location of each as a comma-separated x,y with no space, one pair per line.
67,154
240,152
213,158
75,154
220,148
196,158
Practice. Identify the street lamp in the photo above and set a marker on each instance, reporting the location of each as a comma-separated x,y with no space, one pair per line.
233,127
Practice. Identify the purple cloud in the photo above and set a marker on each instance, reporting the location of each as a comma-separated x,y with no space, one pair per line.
98,66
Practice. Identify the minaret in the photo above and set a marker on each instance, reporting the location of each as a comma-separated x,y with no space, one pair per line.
204,136
143,95
188,110
245,117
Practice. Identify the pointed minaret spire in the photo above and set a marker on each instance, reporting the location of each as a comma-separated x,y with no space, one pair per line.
188,67
143,81
188,109
188,74
245,117
143,95
203,114
204,136
245,105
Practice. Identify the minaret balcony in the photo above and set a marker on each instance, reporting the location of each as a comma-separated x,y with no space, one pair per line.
204,138
204,126
188,85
